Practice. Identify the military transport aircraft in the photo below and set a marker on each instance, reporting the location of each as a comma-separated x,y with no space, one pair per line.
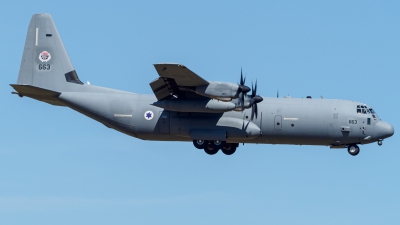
185,107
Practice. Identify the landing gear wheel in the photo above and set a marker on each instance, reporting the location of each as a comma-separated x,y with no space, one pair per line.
229,149
209,149
199,144
218,144
353,150
379,142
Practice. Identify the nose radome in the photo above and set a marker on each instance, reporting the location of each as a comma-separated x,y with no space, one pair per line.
383,130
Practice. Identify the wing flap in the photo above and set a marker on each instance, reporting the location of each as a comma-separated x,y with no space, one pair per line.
160,89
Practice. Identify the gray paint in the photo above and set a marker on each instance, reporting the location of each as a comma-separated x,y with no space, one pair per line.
280,120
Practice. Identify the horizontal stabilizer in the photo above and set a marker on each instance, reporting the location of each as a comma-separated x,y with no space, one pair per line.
37,93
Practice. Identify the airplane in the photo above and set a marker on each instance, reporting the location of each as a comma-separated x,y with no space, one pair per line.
185,107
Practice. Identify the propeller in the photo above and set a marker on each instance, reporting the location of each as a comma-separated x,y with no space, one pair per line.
254,100
243,89
244,127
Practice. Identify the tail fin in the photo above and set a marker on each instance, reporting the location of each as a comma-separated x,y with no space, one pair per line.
45,62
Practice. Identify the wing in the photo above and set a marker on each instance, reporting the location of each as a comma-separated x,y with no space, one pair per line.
180,73
175,80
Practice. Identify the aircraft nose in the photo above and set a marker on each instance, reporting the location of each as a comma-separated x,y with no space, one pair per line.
383,130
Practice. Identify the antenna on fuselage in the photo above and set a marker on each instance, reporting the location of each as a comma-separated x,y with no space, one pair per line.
277,94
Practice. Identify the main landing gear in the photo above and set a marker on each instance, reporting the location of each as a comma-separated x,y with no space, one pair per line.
212,147
353,149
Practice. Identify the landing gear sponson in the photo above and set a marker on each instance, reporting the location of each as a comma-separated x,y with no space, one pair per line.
212,147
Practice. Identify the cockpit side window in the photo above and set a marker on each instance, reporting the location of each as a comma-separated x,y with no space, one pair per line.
373,112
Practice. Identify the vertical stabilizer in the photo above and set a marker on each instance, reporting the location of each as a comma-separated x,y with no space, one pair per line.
45,62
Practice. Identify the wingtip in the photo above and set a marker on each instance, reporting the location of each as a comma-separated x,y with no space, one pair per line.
168,63
42,15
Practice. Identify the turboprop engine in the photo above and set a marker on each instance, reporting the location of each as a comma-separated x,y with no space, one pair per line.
219,90
222,90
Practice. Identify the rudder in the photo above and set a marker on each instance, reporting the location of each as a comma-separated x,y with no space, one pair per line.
45,62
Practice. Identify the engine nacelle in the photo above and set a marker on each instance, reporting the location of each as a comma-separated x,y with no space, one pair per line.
220,90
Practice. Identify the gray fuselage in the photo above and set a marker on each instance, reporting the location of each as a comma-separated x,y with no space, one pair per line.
300,121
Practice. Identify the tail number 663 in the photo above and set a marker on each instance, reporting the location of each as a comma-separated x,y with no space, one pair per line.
44,66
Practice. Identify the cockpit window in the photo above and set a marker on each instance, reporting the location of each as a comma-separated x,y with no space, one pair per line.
362,109
373,112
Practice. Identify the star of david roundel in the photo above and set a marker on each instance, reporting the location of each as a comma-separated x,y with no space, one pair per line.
148,115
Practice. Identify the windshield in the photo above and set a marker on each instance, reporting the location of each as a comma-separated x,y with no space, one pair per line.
363,109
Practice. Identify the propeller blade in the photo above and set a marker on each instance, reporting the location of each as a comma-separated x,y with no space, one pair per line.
241,76
255,89
242,88
243,126
242,81
242,101
252,90
254,111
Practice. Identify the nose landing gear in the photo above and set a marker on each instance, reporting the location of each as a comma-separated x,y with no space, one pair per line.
380,142
353,149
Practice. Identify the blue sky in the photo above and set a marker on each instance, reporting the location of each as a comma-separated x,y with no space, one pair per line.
59,167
